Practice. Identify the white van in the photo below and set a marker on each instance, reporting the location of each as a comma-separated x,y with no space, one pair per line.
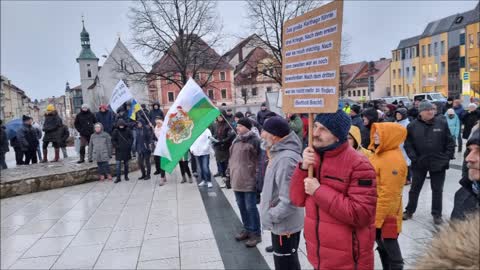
433,97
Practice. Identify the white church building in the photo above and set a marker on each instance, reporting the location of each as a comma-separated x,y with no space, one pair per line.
98,82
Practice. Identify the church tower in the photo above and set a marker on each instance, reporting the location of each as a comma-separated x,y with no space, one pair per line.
88,63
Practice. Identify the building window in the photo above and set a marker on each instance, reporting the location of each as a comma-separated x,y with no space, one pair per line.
89,73
354,93
171,97
462,39
394,90
210,94
398,55
394,74
442,68
429,71
244,92
462,62
473,64
393,57
471,41
254,91
364,92
358,92
436,69
442,47
349,93
407,52
269,89
400,90
224,93
414,71
435,48
399,73
222,76
424,71
429,50
414,52
423,50
407,72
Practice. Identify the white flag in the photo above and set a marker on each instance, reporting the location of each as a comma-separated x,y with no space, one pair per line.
120,95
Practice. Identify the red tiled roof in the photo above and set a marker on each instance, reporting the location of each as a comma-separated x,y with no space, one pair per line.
352,70
380,67
230,54
208,59
246,71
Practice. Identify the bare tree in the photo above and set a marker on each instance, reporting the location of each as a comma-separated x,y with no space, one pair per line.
182,34
267,18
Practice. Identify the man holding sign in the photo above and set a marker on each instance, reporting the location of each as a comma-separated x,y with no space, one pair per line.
340,199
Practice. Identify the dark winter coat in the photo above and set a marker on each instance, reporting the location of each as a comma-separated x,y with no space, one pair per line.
429,145
52,127
357,121
466,201
107,119
65,135
143,140
3,140
372,115
459,111
412,113
27,138
469,120
122,140
225,136
156,112
261,115
84,123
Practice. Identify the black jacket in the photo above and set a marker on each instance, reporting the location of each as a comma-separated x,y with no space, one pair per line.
412,113
466,201
143,140
84,123
469,120
156,112
357,121
122,140
64,137
27,137
429,145
372,115
52,127
261,115
3,140
225,136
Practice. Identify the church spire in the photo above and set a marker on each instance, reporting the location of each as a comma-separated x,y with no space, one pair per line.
87,52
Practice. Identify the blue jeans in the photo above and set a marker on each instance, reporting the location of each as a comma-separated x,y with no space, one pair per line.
247,203
222,168
119,168
203,162
103,168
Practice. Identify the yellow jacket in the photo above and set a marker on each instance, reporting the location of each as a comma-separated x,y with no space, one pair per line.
357,136
391,170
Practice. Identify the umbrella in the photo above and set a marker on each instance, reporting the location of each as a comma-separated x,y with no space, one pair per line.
12,128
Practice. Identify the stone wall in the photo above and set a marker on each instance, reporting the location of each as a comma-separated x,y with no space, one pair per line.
45,176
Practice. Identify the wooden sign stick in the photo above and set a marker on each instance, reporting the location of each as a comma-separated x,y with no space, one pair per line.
310,141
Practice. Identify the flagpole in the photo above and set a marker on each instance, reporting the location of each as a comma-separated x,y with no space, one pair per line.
234,130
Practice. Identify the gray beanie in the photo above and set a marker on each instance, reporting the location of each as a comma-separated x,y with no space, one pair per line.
424,105
85,106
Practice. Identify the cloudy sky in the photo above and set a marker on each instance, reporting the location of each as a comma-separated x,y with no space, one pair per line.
40,40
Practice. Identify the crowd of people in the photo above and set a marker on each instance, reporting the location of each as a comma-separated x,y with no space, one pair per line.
361,160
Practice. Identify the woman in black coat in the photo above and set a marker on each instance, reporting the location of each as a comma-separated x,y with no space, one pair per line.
53,132
122,140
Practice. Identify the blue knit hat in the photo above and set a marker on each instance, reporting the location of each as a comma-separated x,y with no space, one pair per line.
338,123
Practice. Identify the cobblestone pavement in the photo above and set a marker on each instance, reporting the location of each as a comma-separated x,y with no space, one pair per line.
138,224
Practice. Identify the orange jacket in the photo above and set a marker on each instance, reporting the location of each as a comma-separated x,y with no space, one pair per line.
391,170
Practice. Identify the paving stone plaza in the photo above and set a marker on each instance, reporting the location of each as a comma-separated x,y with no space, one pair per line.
140,225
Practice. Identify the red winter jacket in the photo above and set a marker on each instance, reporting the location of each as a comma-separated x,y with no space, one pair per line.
340,216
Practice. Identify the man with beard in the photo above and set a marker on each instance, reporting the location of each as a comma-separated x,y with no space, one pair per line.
279,216
339,203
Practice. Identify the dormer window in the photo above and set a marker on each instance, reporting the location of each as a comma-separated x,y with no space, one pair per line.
459,19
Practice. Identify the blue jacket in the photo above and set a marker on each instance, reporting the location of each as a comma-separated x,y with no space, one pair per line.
143,140
107,119
459,111
453,125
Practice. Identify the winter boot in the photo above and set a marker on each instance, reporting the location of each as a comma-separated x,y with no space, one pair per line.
253,240
118,179
190,180
126,177
228,185
45,153
243,235
57,155
147,177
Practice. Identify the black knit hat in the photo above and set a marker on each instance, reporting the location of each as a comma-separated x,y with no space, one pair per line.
26,118
356,108
474,138
245,122
277,126
239,115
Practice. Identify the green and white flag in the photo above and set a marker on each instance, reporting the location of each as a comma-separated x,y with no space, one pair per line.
191,113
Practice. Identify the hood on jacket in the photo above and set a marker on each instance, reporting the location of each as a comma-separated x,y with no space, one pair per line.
391,136
403,112
290,142
156,103
98,125
356,135
456,246
372,115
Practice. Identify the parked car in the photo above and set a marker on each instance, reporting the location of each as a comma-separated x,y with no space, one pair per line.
433,97
390,100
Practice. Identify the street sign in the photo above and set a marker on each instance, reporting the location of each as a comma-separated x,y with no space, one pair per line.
311,60
466,76
466,83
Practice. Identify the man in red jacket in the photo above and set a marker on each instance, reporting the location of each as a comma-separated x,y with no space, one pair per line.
340,199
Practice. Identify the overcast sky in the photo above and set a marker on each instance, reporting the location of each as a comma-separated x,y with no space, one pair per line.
40,40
